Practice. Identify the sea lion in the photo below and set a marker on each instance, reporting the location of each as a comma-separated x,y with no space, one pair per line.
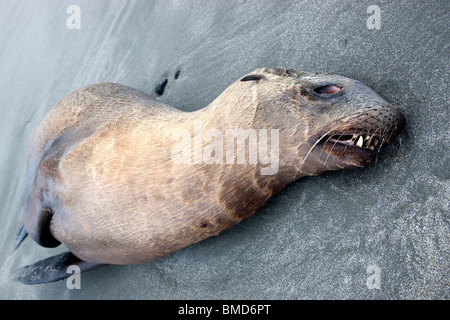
104,178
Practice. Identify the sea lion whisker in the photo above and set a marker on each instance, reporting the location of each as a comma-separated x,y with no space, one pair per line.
348,121
345,148
381,143
329,153
334,144
310,149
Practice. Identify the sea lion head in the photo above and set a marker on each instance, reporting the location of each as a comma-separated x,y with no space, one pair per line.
325,121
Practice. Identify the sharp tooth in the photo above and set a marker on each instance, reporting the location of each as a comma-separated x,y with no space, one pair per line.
375,142
367,138
359,143
371,147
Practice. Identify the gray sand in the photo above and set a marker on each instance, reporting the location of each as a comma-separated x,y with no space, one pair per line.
317,238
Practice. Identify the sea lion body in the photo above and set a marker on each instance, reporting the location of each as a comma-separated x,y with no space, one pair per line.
102,177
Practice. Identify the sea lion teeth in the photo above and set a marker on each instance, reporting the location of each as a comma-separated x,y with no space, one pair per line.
359,143
371,147
375,142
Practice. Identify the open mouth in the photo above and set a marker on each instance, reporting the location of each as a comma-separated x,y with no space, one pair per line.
353,140
349,148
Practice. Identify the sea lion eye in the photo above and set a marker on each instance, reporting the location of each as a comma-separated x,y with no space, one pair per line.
252,77
328,89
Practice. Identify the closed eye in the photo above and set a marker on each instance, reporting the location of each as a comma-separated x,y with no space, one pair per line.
328,89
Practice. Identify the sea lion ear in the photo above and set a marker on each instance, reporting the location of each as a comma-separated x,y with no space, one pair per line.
253,77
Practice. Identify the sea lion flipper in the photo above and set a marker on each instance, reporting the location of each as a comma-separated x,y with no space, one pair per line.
52,269
21,235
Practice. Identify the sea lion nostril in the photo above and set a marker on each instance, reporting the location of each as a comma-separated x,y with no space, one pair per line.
252,77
